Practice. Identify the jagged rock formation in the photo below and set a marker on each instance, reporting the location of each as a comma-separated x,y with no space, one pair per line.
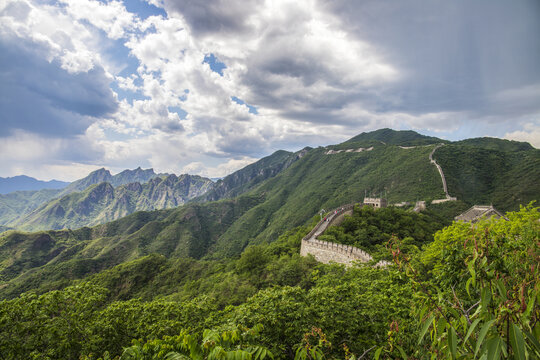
103,175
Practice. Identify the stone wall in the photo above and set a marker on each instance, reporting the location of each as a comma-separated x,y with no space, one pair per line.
327,252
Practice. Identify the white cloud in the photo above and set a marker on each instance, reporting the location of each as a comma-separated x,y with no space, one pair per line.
530,134
220,170
314,71
111,17
47,158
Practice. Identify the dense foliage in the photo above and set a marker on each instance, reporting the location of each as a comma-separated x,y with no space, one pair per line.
350,307
473,290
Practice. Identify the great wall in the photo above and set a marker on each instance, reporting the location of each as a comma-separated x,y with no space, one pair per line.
327,252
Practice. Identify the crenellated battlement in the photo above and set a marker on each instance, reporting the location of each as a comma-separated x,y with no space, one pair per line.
325,251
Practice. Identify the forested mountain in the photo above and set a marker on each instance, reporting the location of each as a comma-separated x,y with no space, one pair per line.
396,137
491,171
193,261
102,202
18,203
27,183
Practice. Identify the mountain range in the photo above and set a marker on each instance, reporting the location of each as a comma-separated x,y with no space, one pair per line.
16,205
103,202
27,183
262,201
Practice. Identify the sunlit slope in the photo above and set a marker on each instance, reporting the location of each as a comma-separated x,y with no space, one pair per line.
325,181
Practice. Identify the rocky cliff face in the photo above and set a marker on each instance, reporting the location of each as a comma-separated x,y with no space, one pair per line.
103,175
252,175
103,202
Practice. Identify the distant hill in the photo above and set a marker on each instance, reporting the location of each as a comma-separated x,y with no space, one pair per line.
290,195
102,202
16,204
27,183
490,143
396,137
491,171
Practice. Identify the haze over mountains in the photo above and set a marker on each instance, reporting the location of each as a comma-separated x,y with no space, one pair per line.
259,202
27,183
97,198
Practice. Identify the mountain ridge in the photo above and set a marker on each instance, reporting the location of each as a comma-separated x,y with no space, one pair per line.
27,183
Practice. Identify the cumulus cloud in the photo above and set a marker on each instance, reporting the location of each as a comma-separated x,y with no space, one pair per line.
316,71
48,85
530,134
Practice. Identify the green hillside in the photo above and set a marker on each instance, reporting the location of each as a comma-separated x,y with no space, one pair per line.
29,260
482,175
489,143
17,203
327,181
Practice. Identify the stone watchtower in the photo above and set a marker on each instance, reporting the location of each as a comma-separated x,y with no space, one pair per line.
377,203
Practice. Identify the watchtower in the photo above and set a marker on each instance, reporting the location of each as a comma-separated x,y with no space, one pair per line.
377,203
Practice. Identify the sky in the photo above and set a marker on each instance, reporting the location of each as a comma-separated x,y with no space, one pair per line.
207,87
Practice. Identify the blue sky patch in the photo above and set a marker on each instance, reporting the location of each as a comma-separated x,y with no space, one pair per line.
252,109
215,64
143,9
176,109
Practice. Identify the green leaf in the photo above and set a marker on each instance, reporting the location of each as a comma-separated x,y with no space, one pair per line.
175,356
517,342
486,297
534,342
425,328
482,335
470,265
494,348
471,329
501,288
530,305
423,311
377,354
403,355
467,285
452,342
